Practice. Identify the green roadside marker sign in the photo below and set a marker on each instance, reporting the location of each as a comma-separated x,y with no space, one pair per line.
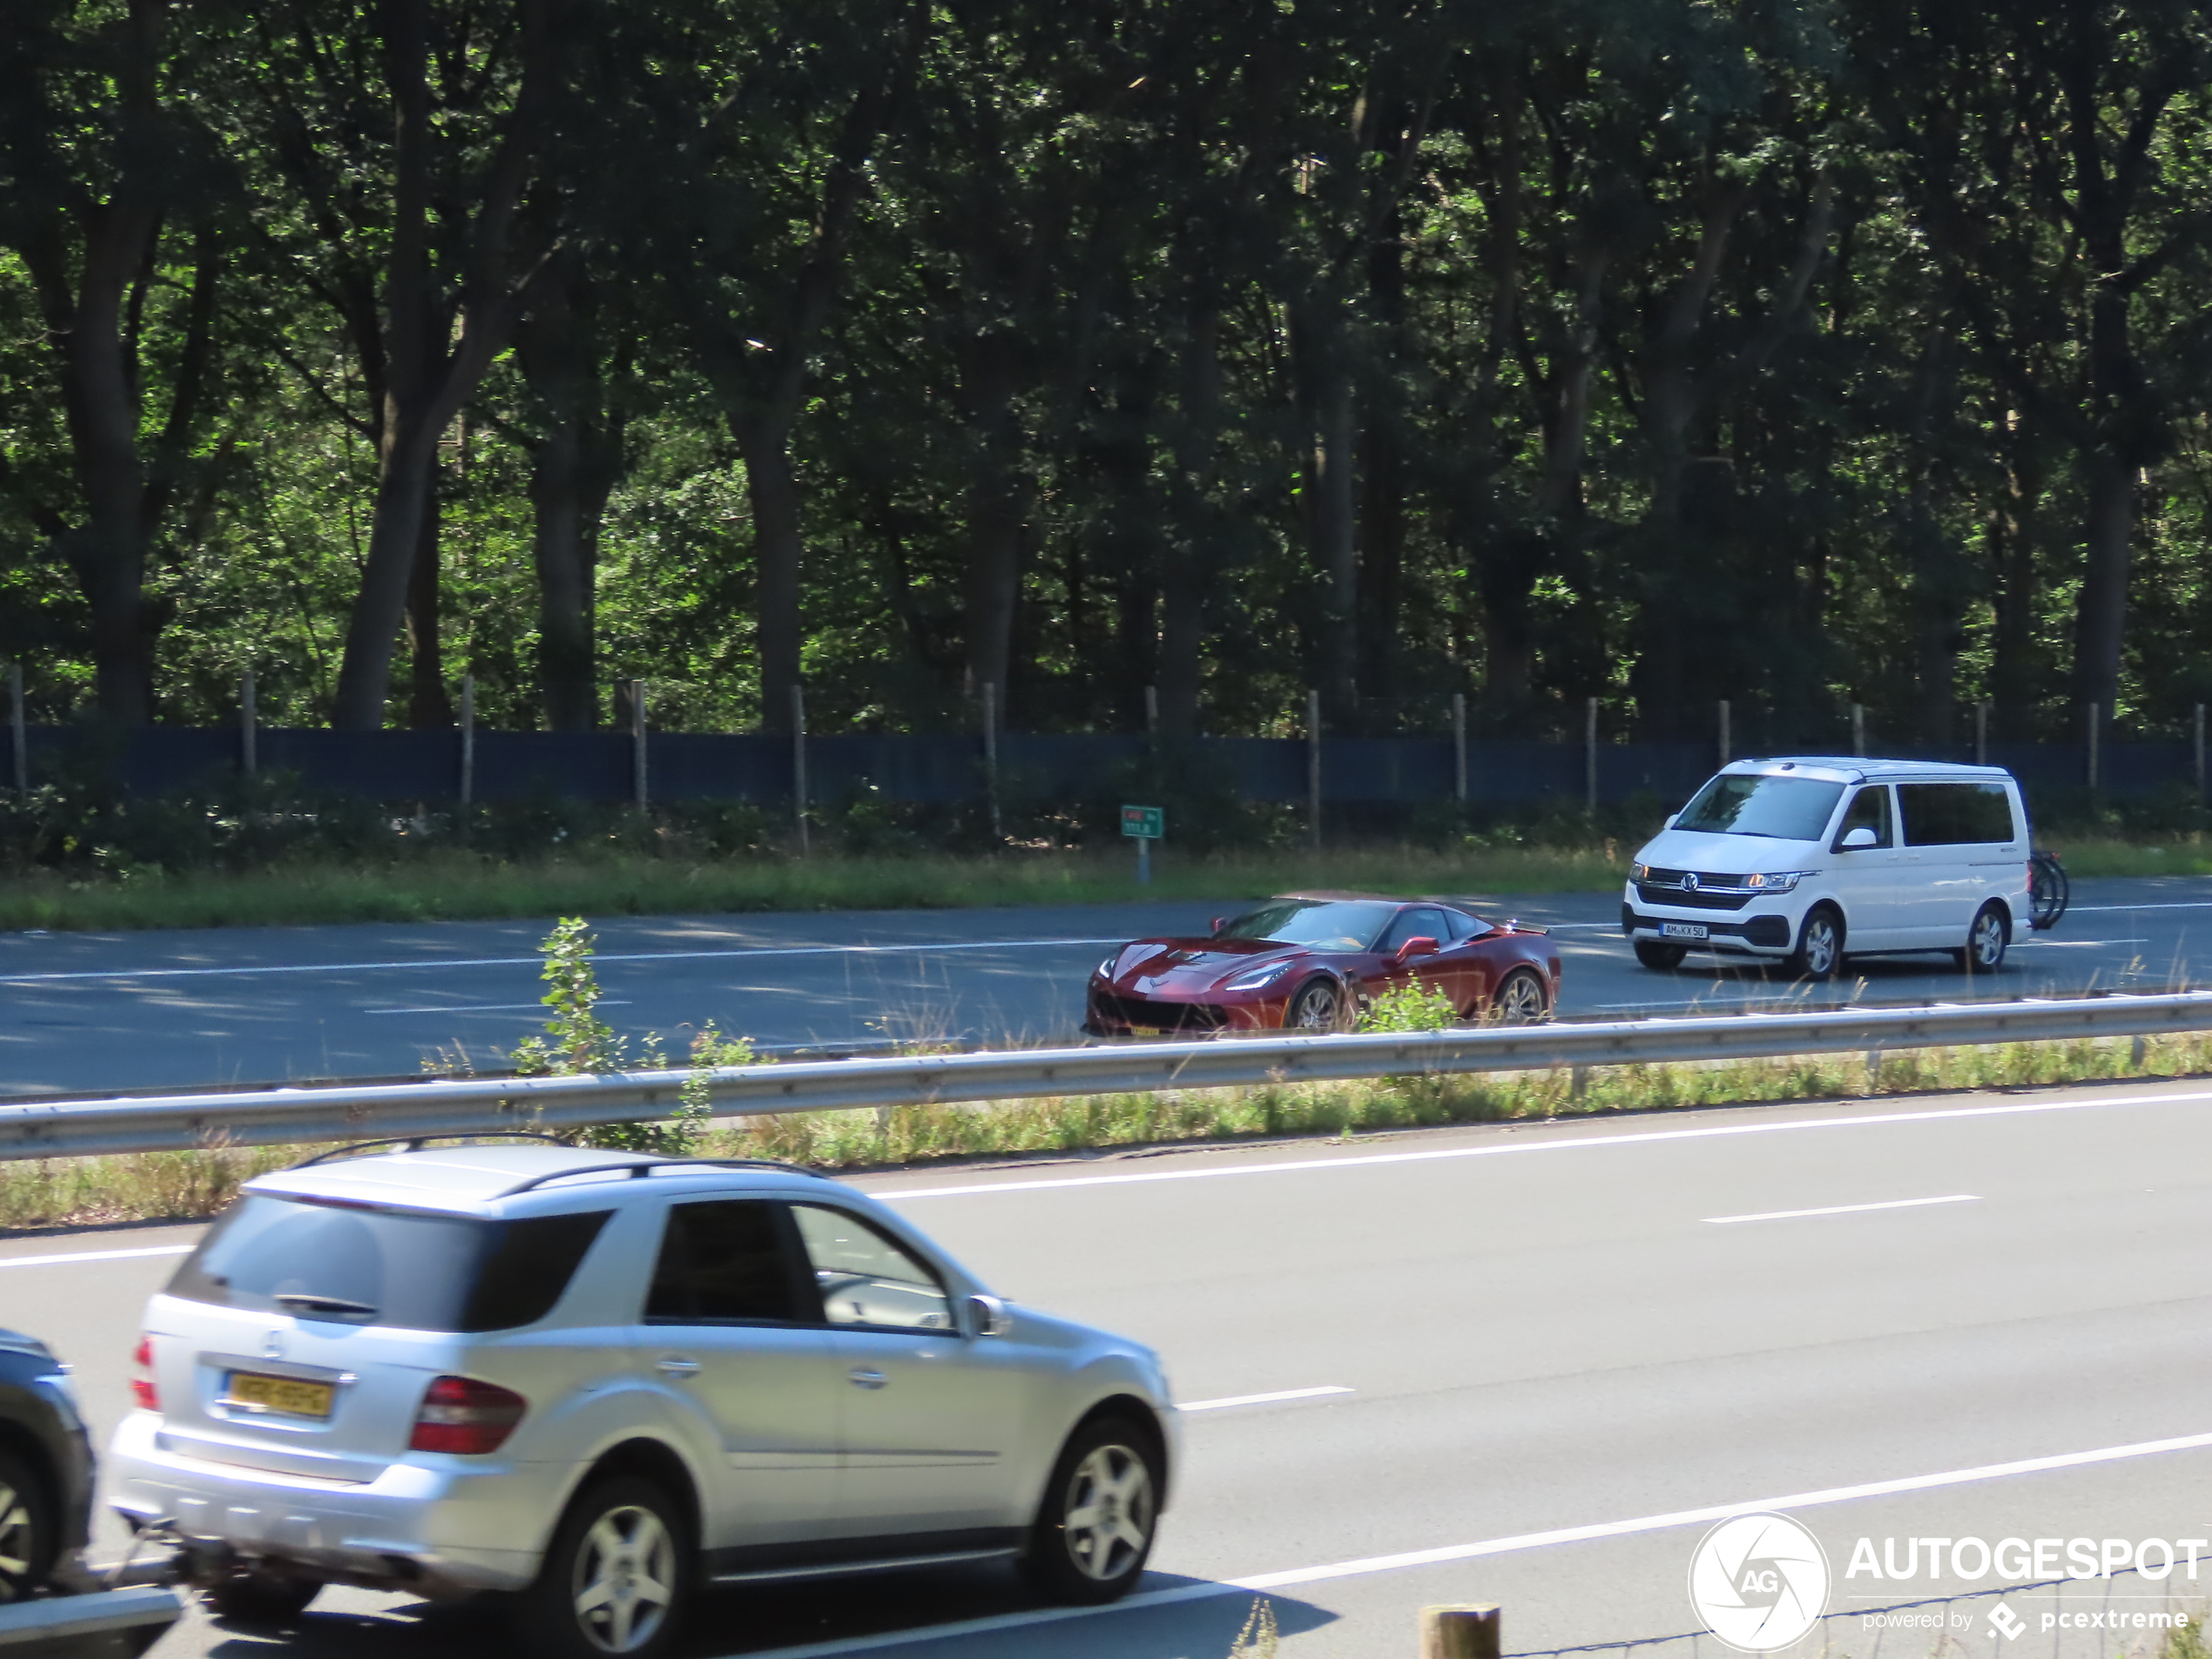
1146,823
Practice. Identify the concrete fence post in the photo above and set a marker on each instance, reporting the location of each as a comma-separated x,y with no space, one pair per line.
799,763
1728,751
1589,757
1463,1632
637,743
1314,766
1981,734
1858,730
467,739
991,753
16,728
1460,747
249,758
2092,745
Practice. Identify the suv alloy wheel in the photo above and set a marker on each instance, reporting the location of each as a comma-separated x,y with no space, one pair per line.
27,1538
618,1576
1101,1509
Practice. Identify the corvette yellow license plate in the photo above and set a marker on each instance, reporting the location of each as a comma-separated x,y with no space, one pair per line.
256,1392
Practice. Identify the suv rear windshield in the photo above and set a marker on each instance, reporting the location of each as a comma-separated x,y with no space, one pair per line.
1784,809
389,1267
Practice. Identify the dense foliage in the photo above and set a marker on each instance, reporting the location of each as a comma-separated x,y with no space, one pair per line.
1795,352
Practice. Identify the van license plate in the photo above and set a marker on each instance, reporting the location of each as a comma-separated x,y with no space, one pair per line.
1684,930
251,1391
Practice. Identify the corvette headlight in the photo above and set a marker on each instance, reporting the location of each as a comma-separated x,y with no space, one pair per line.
1781,882
1105,969
1258,978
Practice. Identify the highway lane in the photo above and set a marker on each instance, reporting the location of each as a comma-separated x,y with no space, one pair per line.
1564,1345
85,1013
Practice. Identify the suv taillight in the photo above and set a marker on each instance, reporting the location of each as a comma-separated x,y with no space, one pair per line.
142,1388
460,1414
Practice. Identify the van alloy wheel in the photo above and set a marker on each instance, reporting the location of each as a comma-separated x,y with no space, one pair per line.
1986,942
1820,946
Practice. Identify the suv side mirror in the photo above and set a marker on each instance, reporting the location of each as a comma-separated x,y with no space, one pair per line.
990,1316
1858,840
1669,824
1419,945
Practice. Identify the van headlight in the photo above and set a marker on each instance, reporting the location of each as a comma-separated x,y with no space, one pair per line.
1780,881
1637,872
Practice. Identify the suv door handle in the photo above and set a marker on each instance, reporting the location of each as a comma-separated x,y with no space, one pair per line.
868,1379
674,1364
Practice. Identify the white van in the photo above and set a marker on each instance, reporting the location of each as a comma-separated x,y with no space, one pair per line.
1807,858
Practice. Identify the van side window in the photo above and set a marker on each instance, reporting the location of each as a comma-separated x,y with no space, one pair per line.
1869,809
1954,814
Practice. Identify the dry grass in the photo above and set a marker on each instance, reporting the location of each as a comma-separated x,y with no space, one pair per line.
183,1185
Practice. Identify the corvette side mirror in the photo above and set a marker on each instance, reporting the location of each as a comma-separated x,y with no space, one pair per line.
1859,839
1419,945
1220,922
991,1319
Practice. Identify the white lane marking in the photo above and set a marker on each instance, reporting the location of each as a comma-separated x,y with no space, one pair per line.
1654,1137
2074,944
535,961
1449,1553
1843,1209
2174,904
93,1256
1224,1403
494,1008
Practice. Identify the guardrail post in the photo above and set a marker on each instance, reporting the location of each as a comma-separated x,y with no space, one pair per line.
1460,747
799,762
2092,745
1463,1632
249,762
637,743
22,738
1725,748
991,752
1314,766
467,739
1589,757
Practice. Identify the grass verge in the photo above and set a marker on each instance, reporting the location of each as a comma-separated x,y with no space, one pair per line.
186,1185
453,886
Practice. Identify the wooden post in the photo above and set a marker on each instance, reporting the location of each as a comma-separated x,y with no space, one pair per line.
799,763
1727,749
1858,730
22,738
1589,757
2200,750
1460,747
467,739
1151,709
991,753
248,759
637,743
2092,745
1314,766
1981,734
1466,1632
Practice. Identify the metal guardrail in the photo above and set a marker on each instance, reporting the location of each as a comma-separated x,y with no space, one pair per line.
271,1117
110,1622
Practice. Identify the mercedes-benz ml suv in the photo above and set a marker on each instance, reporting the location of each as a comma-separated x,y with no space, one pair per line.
603,1380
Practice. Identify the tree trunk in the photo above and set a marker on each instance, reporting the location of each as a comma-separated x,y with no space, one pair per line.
1332,539
996,514
428,706
772,489
2109,530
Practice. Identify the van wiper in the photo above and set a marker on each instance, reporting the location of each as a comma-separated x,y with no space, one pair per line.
303,1302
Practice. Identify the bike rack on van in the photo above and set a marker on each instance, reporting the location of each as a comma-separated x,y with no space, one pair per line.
2047,891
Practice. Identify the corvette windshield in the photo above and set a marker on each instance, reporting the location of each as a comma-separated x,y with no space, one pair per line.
1783,809
1320,924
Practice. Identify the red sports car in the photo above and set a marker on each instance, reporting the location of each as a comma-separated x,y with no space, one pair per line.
1308,962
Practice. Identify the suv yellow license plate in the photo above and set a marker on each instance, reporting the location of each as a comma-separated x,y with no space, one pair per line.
1684,930
255,1392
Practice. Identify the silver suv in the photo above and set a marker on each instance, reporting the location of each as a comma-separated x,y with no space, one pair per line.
603,1380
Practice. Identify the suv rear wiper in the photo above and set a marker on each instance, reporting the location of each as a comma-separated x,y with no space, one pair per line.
302,1302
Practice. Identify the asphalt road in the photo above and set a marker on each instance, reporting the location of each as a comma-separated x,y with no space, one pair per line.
83,1013
1560,1349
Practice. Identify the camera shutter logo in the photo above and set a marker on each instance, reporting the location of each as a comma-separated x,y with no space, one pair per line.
1760,1582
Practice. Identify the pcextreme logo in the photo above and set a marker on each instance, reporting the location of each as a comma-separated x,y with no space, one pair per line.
1759,1581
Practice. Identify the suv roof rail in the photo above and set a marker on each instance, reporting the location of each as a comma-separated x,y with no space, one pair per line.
416,1142
645,1167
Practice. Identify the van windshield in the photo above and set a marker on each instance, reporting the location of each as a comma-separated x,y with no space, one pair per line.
1783,809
